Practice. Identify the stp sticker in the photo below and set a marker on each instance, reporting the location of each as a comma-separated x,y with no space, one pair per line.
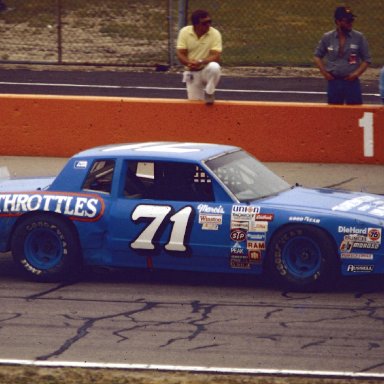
238,234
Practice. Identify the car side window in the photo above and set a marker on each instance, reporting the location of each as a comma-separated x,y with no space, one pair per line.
139,180
167,181
100,176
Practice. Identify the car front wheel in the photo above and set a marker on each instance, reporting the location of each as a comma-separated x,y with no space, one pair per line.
302,257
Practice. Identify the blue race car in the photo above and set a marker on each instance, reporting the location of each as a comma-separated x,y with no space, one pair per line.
187,206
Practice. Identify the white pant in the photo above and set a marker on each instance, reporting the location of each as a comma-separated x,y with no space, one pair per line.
202,81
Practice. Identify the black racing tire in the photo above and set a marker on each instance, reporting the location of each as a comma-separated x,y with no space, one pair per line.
302,258
46,248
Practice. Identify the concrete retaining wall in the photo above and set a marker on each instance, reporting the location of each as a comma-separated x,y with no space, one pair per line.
33,125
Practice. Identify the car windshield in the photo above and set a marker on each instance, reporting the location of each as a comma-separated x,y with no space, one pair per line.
245,176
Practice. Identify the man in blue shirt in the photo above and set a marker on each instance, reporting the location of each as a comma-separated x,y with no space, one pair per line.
347,57
381,84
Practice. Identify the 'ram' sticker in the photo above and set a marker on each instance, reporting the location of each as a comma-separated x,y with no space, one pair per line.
77,206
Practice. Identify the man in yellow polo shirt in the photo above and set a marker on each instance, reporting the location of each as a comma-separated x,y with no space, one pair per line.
199,48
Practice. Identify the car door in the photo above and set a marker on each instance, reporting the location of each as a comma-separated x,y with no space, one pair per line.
166,216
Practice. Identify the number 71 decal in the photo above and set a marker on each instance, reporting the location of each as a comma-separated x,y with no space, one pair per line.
159,216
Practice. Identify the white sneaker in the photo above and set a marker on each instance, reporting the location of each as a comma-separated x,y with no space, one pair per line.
209,99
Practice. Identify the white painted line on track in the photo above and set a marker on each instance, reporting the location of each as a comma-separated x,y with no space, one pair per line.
195,369
146,87
89,86
96,86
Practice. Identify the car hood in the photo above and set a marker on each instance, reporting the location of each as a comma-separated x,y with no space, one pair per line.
28,184
325,200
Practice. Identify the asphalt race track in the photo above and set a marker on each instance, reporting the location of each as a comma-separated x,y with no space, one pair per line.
168,85
192,320
184,320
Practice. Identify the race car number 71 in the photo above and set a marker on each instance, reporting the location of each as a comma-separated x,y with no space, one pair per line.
159,214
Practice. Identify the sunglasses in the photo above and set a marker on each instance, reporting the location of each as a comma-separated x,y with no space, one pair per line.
206,22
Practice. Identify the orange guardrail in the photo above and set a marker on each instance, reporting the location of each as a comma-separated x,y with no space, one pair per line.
60,126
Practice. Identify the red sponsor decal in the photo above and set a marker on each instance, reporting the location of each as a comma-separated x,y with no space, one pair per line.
254,256
238,234
374,234
264,216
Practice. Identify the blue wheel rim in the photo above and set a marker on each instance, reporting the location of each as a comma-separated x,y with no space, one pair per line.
43,249
302,256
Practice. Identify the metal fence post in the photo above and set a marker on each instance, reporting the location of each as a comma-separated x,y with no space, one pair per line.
182,12
171,45
59,33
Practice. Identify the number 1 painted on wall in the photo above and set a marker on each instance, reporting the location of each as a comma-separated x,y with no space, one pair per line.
366,122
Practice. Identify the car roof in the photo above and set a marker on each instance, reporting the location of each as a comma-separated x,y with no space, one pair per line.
159,151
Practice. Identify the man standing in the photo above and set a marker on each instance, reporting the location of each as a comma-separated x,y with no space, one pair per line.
199,49
347,56
381,84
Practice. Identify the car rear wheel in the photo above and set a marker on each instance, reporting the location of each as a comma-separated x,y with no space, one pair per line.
46,248
302,257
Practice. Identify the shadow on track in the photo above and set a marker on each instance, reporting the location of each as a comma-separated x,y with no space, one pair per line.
358,285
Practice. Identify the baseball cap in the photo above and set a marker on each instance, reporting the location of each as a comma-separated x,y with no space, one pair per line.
344,12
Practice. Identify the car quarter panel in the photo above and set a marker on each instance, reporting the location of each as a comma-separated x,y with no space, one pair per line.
78,207
353,222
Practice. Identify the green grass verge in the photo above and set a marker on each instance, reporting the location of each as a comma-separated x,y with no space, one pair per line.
33,375
255,32
286,31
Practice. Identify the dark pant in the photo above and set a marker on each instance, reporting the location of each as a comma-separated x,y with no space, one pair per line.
342,91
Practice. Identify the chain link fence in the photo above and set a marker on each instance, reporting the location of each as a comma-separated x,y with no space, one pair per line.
143,32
